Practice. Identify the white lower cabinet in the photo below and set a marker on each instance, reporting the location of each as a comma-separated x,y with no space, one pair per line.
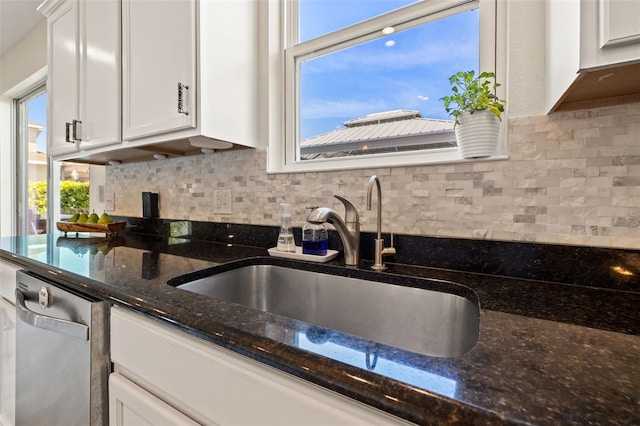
129,405
7,343
165,376
7,363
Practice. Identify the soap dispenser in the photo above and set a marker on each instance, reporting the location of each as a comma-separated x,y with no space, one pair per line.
285,238
315,239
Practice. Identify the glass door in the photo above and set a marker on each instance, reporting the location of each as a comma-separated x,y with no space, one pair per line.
46,191
32,162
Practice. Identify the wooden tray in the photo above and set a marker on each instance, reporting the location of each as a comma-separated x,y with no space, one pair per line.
112,228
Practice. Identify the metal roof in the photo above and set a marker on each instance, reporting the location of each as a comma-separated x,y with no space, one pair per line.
381,126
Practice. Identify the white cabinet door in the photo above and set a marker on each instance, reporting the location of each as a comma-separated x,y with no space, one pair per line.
7,343
7,363
610,32
100,84
619,22
131,405
159,66
8,280
62,84
84,74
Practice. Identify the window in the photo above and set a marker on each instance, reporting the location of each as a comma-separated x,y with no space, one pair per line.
37,175
363,80
31,196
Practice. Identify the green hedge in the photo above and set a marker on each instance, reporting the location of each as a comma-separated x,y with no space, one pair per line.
38,196
74,197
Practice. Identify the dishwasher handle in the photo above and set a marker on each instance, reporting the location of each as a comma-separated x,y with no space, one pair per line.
57,325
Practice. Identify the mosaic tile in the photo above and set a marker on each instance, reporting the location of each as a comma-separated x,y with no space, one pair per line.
571,177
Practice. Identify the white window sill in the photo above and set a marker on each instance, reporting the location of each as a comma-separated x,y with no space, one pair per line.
405,159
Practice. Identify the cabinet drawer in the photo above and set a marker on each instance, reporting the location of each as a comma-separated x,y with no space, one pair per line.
214,385
129,405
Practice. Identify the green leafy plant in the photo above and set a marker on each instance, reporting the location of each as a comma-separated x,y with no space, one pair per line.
38,196
471,93
74,197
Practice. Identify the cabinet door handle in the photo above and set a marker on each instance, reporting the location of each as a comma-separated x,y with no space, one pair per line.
75,130
67,132
181,88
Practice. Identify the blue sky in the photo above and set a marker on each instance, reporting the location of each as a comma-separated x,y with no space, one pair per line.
405,70
37,113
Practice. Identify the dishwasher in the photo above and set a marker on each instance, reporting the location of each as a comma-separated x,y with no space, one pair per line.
62,355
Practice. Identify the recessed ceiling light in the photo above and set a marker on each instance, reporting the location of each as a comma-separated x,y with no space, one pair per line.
388,30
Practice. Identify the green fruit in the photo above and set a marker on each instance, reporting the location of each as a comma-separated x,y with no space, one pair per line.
104,218
105,250
82,218
93,218
74,218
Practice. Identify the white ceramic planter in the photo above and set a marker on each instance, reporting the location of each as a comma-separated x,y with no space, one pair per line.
477,134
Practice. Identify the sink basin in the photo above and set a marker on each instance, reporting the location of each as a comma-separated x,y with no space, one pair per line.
429,322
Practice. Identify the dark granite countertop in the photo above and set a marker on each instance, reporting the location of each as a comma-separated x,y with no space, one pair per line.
548,353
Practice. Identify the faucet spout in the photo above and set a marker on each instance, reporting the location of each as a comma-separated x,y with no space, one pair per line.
374,180
379,248
348,229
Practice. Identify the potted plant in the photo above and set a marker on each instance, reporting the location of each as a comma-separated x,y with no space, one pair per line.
476,110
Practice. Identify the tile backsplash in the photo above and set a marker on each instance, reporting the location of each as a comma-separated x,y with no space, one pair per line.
571,178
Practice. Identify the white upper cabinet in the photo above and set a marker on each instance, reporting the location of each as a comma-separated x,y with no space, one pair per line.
176,76
159,62
593,52
62,83
84,74
101,68
611,32
190,70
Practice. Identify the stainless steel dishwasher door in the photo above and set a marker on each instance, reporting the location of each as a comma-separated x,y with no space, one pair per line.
62,357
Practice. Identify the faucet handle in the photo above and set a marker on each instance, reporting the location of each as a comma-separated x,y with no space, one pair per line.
350,214
389,250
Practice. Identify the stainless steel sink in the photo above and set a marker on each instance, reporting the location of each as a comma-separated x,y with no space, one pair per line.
430,322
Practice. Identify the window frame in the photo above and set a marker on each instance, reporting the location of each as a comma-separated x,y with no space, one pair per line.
282,75
21,195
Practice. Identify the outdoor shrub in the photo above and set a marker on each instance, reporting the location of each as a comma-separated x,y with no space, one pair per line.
74,197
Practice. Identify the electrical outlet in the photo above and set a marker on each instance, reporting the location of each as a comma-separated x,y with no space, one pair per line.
222,201
109,201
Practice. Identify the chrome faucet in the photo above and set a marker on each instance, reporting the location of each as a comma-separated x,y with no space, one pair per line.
348,229
379,248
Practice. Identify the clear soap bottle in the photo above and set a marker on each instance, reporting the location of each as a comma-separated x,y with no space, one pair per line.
285,238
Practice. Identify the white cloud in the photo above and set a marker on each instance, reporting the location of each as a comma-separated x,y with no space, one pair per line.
350,108
388,59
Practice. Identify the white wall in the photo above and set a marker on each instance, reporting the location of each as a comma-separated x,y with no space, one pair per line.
24,60
7,184
97,177
526,64
21,68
